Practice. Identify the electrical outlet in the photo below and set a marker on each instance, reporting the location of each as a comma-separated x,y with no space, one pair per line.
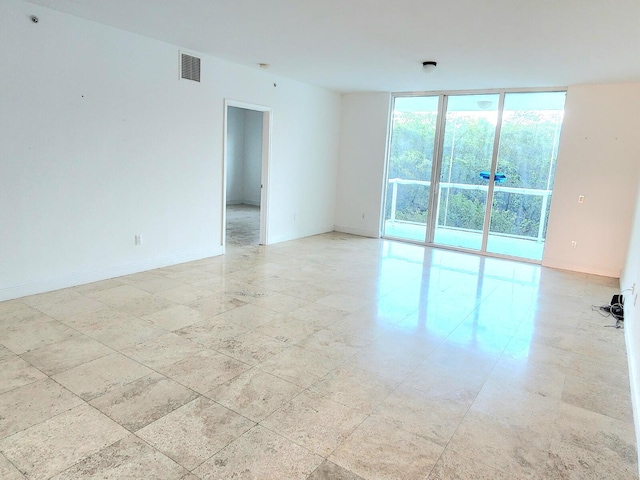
580,198
363,216
138,239
574,244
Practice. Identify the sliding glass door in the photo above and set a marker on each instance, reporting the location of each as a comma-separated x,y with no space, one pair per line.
527,155
473,171
467,152
409,169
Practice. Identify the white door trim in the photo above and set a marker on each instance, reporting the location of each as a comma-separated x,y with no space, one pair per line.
267,122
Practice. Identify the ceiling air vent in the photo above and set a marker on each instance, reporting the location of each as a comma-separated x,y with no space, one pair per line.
190,67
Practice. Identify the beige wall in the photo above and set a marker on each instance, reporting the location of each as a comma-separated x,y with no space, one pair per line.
599,157
363,146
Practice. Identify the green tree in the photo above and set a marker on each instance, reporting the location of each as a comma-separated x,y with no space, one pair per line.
526,155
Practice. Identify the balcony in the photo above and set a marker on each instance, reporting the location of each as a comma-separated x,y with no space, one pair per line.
523,246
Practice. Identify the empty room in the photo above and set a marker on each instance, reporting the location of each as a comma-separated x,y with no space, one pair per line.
319,240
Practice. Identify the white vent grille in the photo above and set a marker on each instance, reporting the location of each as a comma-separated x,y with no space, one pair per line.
190,67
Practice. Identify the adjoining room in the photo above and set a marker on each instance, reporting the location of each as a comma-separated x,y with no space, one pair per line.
244,176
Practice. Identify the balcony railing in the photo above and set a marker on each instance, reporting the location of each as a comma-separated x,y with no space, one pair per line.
545,194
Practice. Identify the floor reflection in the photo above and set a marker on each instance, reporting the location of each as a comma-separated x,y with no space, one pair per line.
470,300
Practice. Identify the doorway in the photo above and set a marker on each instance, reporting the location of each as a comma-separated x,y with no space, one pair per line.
246,162
474,171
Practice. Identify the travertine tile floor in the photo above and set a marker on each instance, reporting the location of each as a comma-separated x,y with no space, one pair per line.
330,357
243,225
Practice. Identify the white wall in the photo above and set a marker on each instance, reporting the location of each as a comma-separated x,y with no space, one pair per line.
252,157
235,155
599,157
244,156
363,143
102,141
631,276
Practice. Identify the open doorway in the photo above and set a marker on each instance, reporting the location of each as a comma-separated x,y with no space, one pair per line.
246,172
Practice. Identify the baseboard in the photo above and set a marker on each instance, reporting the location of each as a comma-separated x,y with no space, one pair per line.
357,231
243,202
48,285
573,267
294,236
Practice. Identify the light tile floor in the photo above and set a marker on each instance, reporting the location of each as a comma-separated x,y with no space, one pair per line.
329,357
243,225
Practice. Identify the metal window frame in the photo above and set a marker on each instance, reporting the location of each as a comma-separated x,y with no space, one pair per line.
443,96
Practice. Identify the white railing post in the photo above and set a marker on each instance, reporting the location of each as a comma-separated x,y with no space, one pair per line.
394,199
543,214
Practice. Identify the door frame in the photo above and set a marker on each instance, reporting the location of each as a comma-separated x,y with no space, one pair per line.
267,123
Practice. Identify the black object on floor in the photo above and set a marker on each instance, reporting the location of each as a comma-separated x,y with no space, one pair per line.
616,308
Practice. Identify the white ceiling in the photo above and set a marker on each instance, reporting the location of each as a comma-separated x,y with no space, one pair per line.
379,45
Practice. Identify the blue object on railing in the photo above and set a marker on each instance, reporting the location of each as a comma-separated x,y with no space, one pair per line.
499,178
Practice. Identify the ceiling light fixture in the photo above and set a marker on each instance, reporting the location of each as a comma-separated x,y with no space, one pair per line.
264,66
429,66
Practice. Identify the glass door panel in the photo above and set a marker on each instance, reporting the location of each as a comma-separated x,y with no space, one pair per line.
467,151
527,155
413,135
